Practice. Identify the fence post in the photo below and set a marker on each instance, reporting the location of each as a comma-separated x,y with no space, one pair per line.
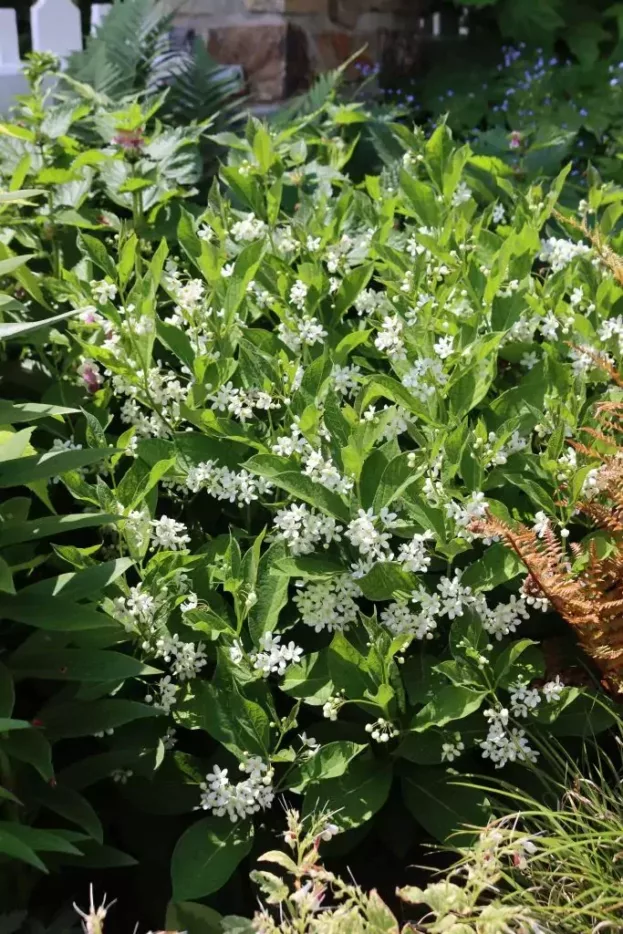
56,27
9,46
99,12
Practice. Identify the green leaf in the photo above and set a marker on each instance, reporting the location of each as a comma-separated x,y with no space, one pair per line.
11,846
271,591
356,796
273,468
13,533
81,665
71,805
7,725
193,918
10,329
330,761
498,565
451,703
45,841
60,614
442,806
75,718
98,254
23,470
385,580
7,692
240,724
6,578
206,855
352,284
12,413
81,584
32,747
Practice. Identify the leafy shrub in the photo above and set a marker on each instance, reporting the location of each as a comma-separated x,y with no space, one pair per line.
303,399
197,87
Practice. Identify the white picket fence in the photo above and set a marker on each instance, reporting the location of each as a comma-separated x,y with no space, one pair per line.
55,26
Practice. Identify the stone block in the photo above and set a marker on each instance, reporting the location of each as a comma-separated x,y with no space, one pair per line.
274,57
333,47
306,6
266,6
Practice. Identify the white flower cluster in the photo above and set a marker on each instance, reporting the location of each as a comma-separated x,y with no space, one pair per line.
137,611
164,694
249,228
504,744
187,658
424,378
494,453
413,555
304,331
304,528
524,699
328,604
243,799
239,403
345,378
323,471
559,253
381,730
225,484
103,291
464,514
452,749
370,541
331,708
462,193
274,658
389,339
168,534
401,621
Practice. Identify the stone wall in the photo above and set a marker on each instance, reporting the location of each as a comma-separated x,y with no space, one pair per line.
283,44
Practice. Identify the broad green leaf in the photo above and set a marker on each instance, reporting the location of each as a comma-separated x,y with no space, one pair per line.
271,591
206,855
273,468
81,584
451,703
11,413
7,692
498,565
75,718
330,761
98,254
12,846
81,665
354,797
51,464
32,747
12,533
442,805
71,805
59,614
7,725
193,918
6,578
10,329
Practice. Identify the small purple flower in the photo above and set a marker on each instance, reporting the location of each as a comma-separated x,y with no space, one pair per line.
583,112
91,376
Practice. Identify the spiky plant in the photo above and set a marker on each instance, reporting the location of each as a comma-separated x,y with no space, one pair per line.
585,583
131,54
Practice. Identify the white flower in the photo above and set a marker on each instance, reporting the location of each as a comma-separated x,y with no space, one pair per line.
444,347
249,228
499,214
504,618
389,338
559,253
529,360
331,708
462,193
413,555
552,690
328,604
103,291
345,378
165,694
274,658
401,620
523,699
325,473
243,799
503,745
463,515
541,524
452,750
363,535
169,534
227,270
303,528
298,294
381,730
121,776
